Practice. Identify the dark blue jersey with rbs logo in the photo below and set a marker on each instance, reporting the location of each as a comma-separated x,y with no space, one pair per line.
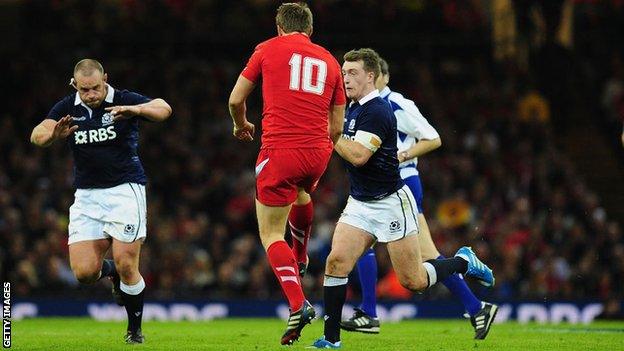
379,177
105,153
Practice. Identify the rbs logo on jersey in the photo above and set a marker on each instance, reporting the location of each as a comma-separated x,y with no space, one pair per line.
94,135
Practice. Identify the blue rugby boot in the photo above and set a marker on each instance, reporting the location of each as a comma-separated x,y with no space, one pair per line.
476,268
321,343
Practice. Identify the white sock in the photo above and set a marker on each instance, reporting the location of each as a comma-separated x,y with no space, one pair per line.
335,281
133,289
431,273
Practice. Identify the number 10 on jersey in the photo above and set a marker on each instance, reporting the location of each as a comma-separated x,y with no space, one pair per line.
309,65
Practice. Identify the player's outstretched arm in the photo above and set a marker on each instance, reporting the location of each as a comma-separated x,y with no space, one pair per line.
243,129
353,152
49,130
420,148
156,110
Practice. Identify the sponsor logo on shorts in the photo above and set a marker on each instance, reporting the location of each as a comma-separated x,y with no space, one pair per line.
395,226
130,229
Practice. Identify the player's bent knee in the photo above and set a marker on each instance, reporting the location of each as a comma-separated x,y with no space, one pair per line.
88,274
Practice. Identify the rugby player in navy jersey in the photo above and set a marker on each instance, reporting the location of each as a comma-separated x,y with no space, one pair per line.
101,125
380,206
416,137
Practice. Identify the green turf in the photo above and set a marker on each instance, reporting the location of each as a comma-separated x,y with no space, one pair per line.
264,334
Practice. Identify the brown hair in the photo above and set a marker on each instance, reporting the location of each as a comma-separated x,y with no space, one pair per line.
369,57
87,66
294,17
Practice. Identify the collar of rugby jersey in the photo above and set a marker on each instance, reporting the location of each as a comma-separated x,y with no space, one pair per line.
110,94
373,94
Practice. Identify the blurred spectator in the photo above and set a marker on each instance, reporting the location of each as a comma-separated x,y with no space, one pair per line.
612,310
499,182
533,107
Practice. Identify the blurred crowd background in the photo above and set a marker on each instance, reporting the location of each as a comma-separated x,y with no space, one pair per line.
528,98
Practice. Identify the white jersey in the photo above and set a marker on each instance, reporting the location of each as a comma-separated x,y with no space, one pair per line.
411,127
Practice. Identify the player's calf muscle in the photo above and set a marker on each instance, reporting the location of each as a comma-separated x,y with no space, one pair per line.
414,282
127,264
338,265
268,239
128,269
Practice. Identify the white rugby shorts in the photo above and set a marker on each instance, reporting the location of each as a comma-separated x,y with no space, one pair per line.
119,212
389,219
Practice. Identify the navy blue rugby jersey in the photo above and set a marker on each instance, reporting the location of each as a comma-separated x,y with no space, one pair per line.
380,176
105,152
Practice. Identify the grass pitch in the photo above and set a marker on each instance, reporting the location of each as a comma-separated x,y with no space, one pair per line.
264,334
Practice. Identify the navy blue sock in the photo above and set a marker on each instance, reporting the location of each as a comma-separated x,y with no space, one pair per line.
134,309
367,271
108,269
334,295
457,285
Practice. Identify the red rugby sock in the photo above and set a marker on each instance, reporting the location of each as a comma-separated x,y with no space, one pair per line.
285,269
300,223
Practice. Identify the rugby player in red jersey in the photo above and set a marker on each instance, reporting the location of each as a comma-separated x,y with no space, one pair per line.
303,112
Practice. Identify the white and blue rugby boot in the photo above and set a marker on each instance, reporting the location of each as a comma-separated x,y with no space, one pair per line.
321,343
476,268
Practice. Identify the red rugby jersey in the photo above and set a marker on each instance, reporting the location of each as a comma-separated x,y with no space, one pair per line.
300,81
